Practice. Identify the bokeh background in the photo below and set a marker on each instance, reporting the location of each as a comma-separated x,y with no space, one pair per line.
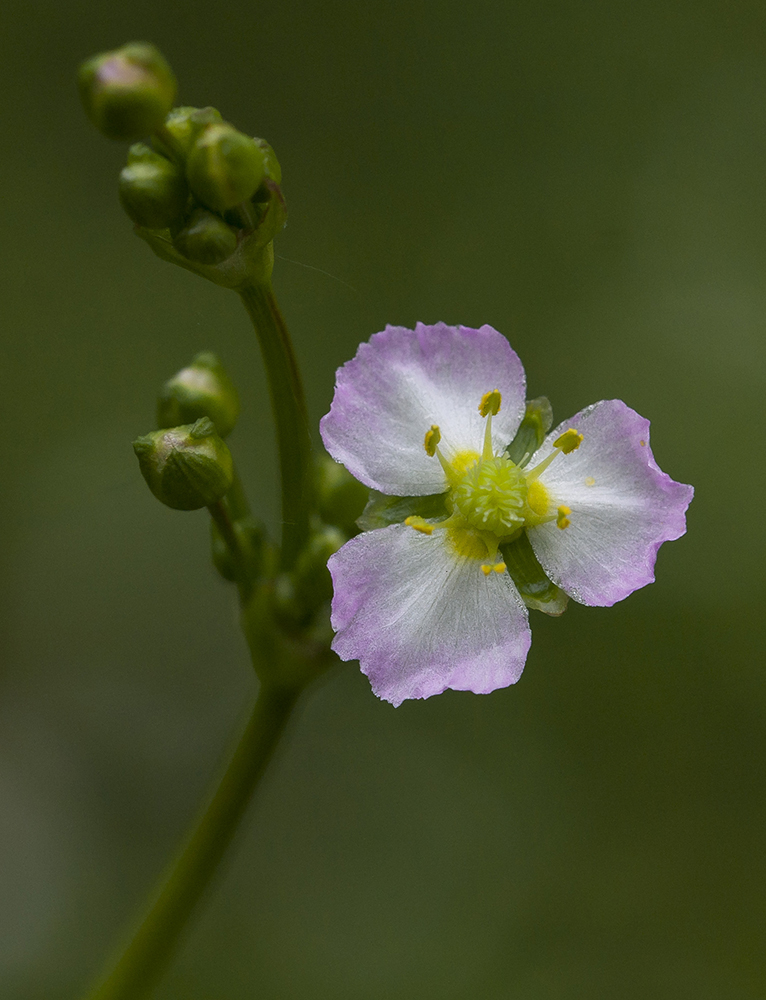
589,178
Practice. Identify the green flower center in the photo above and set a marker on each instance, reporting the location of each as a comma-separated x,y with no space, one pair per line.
491,496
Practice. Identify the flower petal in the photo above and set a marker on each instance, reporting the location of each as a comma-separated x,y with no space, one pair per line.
623,506
420,619
402,382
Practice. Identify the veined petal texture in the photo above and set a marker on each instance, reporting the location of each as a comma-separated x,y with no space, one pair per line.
623,506
420,619
402,382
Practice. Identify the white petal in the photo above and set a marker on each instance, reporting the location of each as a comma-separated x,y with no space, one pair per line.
421,620
623,506
401,383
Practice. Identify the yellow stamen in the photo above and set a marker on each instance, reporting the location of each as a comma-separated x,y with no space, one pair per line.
569,441
498,567
419,524
432,439
590,481
488,407
564,444
490,403
562,521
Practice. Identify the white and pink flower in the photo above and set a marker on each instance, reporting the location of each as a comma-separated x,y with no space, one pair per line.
427,604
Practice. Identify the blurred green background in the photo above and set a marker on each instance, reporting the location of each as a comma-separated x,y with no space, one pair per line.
589,179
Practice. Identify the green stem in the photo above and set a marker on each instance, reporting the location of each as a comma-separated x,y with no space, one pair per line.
289,407
219,511
237,499
152,946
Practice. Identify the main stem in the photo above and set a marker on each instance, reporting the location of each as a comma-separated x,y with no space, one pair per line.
152,946
288,404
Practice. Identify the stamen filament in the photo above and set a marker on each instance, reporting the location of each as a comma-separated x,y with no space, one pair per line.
568,442
488,407
487,452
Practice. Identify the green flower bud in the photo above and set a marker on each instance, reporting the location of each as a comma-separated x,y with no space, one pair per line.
300,594
181,128
341,499
128,92
206,238
312,581
225,167
153,191
201,390
186,467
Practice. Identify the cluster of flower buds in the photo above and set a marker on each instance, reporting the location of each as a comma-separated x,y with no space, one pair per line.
186,463
197,188
341,499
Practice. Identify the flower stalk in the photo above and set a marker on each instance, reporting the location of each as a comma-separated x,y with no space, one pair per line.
288,405
153,944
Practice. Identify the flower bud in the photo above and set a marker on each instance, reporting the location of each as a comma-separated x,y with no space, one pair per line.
312,581
152,190
341,499
206,238
225,167
128,92
186,467
201,390
181,128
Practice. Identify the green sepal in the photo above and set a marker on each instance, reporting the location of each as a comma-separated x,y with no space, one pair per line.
203,389
340,498
251,262
536,590
186,467
270,161
537,421
382,510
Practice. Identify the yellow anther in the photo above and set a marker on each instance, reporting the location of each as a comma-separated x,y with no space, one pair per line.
498,567
490,403
562,520
419,525
590,481
569,441
432,439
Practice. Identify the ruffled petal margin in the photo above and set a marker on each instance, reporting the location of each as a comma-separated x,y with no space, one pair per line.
402,382
623,506
421,620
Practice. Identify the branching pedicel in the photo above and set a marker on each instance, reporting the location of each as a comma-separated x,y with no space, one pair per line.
477,513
